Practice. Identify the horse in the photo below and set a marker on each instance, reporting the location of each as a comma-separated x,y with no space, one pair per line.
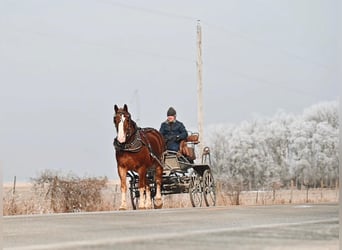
138,149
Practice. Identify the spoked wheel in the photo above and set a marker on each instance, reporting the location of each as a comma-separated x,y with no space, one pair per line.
134,192
153,190
209,188
195,190
134,199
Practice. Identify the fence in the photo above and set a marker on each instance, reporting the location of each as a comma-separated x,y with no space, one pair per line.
26,199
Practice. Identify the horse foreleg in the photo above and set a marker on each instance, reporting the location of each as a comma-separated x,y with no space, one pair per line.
158,202
122,174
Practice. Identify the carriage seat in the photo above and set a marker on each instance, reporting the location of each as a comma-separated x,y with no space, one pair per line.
187,146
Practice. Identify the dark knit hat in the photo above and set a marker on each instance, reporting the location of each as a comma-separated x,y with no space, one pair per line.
171,112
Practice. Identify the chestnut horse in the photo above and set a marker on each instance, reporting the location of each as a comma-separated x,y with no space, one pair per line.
138,149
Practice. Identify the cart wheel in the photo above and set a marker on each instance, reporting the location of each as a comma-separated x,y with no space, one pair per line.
134,193
195,190
209,188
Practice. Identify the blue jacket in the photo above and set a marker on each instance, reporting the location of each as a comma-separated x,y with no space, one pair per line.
173,133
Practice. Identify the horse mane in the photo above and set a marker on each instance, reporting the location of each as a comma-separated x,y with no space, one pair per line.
134,124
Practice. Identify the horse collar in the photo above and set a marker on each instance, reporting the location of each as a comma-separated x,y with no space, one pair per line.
134,146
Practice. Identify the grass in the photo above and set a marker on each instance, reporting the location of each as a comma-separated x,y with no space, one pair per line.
92,194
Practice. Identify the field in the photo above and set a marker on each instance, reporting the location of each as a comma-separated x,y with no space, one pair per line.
27,199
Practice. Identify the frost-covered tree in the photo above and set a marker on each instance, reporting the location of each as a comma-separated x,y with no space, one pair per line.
220,157
243,154
300,152
324,150
266,171
277,140
302,148
323,112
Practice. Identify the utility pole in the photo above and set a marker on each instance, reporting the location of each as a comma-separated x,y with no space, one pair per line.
199,87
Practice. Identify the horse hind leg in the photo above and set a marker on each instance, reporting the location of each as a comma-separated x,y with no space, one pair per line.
148,201
158,202
141,198
142,189
145,201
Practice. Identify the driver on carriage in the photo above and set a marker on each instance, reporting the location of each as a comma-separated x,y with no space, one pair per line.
173,131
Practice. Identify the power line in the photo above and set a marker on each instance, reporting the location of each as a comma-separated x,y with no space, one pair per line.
109,45
225,30
267,46
70,38
240,35
274,84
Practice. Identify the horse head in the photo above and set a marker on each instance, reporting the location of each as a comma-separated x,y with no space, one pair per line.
125,127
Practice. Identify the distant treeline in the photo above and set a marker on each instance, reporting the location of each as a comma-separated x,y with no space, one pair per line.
298,149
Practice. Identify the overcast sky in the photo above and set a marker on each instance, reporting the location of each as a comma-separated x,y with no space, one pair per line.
64,64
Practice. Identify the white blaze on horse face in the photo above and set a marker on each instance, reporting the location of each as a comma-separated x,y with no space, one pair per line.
121,132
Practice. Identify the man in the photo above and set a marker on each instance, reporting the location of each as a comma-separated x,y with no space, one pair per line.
173,130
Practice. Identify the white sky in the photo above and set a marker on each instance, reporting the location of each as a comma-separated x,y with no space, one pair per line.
64,64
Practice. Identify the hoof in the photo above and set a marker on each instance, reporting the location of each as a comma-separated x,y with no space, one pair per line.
121,208
148,206
158,204
141,206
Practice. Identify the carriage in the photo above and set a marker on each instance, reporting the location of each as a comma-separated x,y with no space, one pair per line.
153,171
181,175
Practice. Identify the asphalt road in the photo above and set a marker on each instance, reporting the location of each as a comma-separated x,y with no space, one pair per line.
254,227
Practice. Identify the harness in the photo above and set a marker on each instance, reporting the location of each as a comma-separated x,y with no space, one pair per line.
139,140
134,146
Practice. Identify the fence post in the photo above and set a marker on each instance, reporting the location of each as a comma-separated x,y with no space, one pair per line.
14,184
291,193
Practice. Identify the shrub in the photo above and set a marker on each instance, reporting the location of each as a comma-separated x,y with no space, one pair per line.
70,193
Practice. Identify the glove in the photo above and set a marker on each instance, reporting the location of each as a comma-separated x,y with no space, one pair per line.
171,138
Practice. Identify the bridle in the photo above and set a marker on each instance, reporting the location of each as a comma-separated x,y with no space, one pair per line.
131,126
132,135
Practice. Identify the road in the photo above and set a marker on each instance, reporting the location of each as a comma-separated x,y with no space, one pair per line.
309,226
